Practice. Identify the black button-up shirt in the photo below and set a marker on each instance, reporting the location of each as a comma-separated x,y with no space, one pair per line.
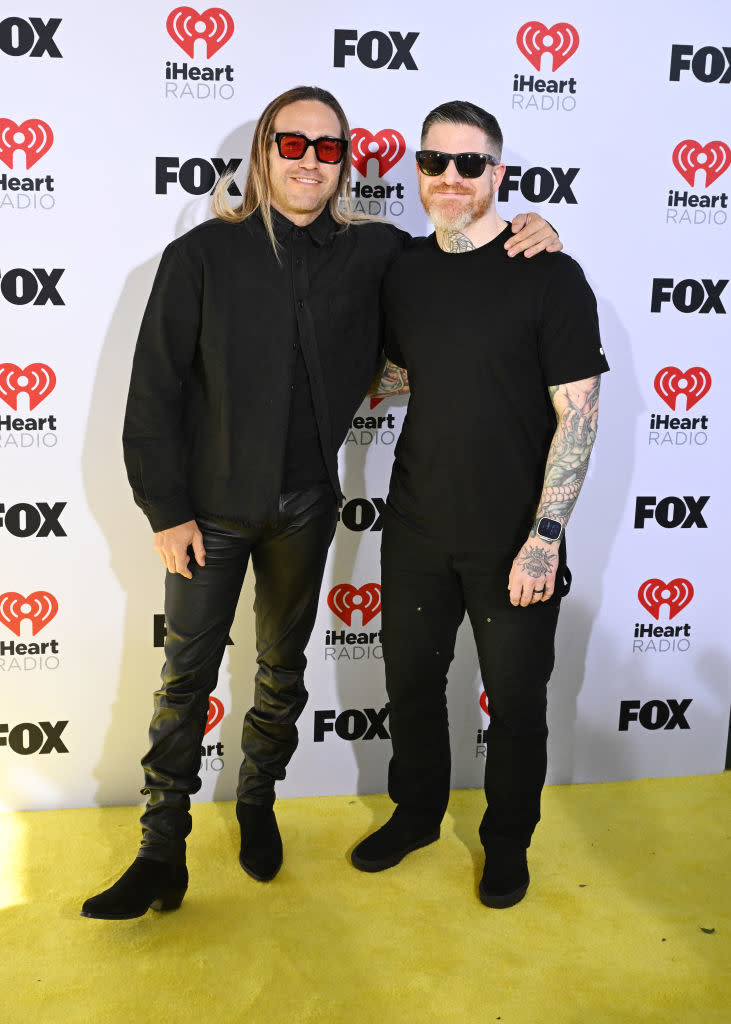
210,398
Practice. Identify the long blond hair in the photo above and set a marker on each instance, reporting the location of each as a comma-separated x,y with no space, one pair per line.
257,191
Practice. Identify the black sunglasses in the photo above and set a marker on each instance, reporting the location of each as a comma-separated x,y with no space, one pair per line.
293,146
469,165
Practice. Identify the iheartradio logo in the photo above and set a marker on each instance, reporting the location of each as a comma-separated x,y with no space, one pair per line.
689,157
39,608
676,594
34,137
386,147
215,26
37,381
344,599
670,383
560,40
215,714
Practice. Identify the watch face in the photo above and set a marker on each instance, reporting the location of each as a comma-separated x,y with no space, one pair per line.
549,529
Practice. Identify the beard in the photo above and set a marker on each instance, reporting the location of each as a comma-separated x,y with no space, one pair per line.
453,216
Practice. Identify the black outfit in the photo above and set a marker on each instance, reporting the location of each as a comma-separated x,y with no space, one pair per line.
246,376
482,337
208,414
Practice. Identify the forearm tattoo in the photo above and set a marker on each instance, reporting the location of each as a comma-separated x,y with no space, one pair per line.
454,241
536,560
568,457
393,381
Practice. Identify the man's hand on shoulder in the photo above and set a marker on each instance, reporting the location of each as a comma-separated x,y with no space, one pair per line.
172,547
532,234
533,575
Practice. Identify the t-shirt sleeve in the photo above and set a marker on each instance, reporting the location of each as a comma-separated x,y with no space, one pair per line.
570,345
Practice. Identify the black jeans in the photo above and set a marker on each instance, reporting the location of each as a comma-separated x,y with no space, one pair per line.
288,557
425,592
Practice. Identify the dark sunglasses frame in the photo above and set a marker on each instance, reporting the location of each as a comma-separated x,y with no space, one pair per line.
462,161
315,143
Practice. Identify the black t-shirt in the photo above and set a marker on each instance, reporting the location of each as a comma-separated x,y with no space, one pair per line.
483,337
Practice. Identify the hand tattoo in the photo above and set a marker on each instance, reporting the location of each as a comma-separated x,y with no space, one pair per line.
536,561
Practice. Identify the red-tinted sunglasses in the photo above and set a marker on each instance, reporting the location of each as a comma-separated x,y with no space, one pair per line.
293,146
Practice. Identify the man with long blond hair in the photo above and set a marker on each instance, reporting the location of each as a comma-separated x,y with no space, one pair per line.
259,341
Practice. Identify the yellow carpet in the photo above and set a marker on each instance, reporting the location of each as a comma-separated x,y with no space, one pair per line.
626,918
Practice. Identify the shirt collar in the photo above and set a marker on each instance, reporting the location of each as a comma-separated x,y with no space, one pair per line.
320,230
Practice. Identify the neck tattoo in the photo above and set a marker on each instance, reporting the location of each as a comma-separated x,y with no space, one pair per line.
454,241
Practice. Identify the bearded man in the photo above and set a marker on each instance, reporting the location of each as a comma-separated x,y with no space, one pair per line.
486,474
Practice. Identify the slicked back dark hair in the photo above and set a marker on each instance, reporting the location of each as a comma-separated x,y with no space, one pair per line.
463,112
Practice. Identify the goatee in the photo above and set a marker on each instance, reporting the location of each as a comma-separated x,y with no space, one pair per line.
445,219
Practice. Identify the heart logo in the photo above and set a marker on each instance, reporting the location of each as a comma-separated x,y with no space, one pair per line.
185,25
386,147
690,157
676,595
215,714
39,608
37,381
670,382
344,599
560,40
34,137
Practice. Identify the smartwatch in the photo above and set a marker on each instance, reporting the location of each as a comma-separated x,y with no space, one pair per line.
549,529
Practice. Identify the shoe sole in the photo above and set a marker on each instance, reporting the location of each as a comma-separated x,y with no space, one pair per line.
394,859
501,900
255,875
164,903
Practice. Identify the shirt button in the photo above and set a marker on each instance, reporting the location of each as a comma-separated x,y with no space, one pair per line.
300,304
299,232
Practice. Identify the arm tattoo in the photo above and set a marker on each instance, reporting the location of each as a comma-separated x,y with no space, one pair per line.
393,381
568,457
454,241
536,561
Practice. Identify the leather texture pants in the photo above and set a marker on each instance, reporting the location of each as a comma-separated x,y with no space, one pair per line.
425,593
288,558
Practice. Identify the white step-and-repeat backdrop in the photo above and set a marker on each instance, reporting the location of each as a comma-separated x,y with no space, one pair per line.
115,124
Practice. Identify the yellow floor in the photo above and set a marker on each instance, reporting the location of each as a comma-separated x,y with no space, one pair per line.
626,919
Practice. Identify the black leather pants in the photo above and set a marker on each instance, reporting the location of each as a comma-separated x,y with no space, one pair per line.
288,557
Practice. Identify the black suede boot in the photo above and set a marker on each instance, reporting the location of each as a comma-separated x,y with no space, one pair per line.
261,844
147,883
389,844
505,879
